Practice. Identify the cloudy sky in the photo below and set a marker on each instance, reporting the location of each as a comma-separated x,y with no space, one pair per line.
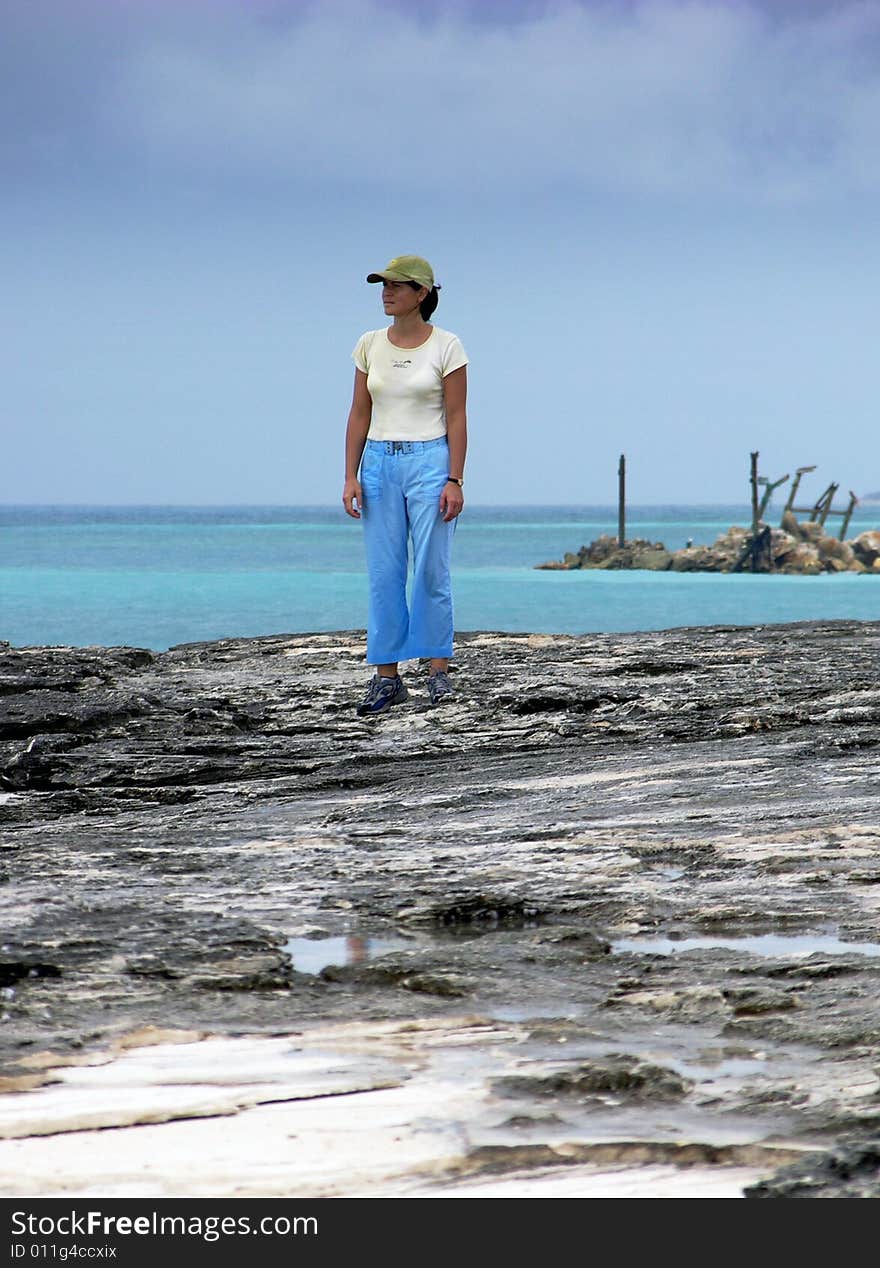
655,222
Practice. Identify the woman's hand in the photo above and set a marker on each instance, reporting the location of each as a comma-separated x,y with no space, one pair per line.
451,501
353,498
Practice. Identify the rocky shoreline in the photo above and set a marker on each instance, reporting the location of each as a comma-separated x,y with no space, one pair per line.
608,923
798,548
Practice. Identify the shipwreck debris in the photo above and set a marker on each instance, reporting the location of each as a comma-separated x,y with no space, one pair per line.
804,547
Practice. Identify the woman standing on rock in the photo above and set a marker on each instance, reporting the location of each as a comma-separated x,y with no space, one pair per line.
407,432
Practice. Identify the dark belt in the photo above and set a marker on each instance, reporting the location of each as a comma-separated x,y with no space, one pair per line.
411,446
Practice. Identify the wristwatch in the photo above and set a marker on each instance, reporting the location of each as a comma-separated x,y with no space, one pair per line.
455,480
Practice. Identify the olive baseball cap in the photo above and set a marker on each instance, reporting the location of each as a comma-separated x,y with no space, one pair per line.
406,268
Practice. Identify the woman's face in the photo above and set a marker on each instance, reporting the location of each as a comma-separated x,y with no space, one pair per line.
399,299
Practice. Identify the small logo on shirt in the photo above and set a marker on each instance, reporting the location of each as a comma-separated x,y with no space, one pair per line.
401,365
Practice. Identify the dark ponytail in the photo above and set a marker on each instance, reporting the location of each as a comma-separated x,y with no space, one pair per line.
429,303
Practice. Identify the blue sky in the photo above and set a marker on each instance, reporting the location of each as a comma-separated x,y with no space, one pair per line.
655,223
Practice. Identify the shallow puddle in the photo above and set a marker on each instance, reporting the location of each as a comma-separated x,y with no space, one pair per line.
769,944
725,1068
311,955
668,873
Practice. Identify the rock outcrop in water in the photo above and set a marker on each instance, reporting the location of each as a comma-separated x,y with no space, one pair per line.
801,548
605,923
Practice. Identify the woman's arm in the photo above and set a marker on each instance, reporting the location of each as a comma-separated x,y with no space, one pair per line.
355,438
455,402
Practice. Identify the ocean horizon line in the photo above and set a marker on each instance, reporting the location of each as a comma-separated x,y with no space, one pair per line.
639,516
740,504
208,506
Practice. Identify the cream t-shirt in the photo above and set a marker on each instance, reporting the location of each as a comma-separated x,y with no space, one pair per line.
406,384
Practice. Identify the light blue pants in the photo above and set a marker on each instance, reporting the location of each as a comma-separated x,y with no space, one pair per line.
402,481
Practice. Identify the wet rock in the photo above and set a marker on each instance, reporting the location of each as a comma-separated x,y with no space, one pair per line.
612,1075
690,1003
474,910
721,780
583,941
29,713
450,985
849,1170
13,971
751,1000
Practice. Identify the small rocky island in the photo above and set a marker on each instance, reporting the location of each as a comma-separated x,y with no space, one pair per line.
801,547
607,924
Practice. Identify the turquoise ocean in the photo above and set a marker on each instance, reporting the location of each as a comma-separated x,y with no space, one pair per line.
158,576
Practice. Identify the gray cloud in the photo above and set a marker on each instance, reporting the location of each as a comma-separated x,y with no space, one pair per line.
700,98
702,294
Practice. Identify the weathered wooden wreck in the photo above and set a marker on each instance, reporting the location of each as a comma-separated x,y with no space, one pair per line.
806,547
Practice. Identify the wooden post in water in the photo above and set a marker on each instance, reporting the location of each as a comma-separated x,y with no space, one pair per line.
621,502
768,492
789,506
822,508
847,514
754,483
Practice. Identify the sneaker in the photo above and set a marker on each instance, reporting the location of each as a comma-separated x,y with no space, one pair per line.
439,687
381,693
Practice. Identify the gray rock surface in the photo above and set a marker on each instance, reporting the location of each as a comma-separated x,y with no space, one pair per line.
620,898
